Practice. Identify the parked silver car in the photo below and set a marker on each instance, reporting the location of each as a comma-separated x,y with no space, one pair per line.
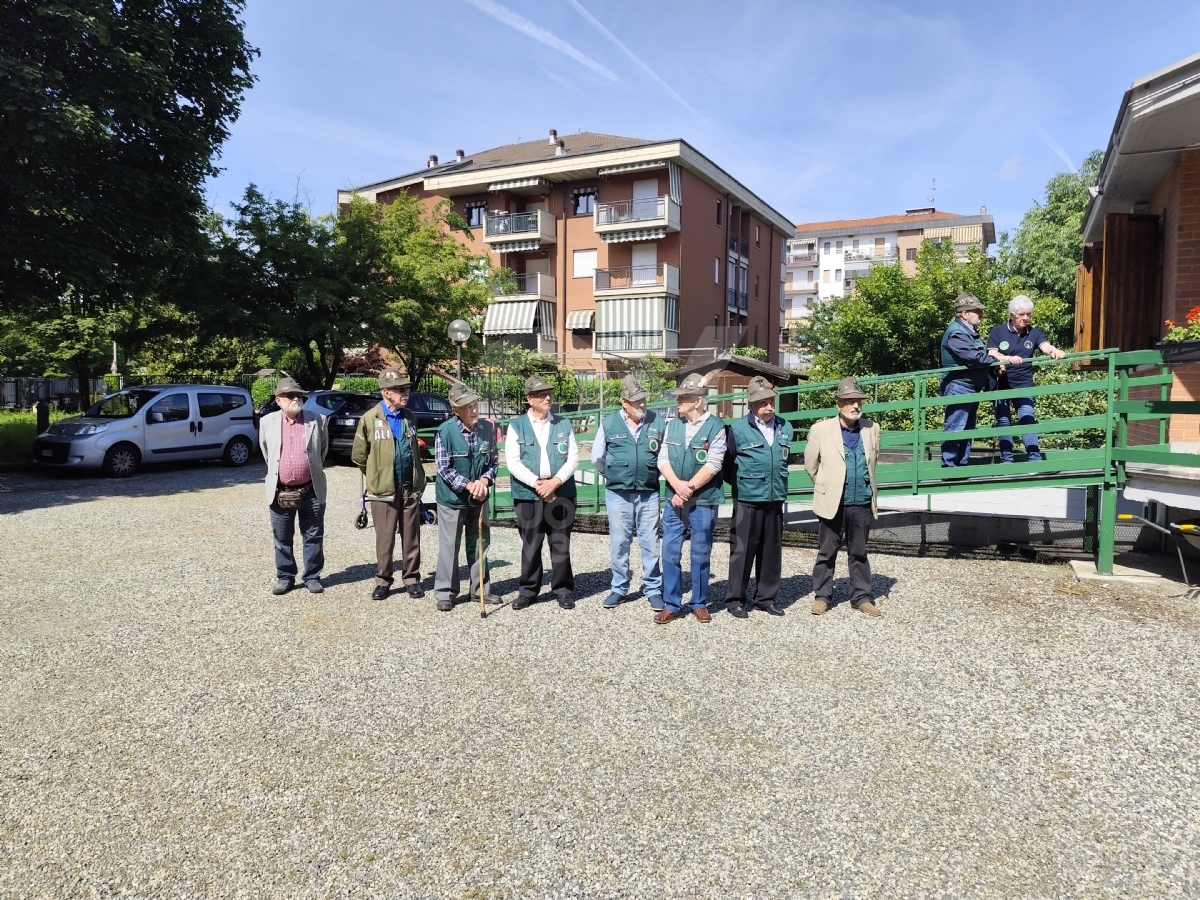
154,424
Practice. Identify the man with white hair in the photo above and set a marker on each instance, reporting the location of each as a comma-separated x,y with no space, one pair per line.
1017,337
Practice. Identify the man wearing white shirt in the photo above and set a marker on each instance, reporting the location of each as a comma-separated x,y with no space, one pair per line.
541,455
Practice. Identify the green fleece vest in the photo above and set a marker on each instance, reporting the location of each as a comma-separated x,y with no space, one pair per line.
470,465
975,377
631,464
687,459
557,447
762,468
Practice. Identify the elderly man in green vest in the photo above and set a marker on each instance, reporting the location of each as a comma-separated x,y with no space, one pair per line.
962,346
691,458
387,453
759,445
625,452
467,457
542,456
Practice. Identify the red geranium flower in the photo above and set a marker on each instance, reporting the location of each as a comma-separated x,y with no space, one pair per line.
1170,323
1193,314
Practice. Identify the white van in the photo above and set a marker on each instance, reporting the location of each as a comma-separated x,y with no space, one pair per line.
153,424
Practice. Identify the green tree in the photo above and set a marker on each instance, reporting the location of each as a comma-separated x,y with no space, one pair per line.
1040,257
893,323
110,116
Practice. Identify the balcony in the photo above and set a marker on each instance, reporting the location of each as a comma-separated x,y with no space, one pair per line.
636,220
634,281
801,287
738,246
803,259
530,286
512,233
648,342
736,301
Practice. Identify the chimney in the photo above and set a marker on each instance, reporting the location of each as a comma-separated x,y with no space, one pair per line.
560,148
432,161
553,137
459,156
983,210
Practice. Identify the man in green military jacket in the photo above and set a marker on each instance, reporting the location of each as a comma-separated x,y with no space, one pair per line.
758,446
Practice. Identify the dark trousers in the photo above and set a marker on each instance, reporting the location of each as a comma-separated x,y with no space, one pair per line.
757,544
311,513
402,516
535,520
855,523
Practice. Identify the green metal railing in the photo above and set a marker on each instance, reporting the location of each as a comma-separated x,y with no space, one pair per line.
1088,449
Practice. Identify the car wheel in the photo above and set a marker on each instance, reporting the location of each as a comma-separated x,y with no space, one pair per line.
121,461
238,452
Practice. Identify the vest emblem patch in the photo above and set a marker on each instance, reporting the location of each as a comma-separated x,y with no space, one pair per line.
653,444
1004,345
562,446
701,455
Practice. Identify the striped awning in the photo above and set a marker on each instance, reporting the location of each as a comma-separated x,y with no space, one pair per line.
631,167
580,320
634,234
515,246
510,317
630,314
518,183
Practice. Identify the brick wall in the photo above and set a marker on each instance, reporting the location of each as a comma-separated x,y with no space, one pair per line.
1180,209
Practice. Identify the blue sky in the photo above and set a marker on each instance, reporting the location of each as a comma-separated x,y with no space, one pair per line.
826,110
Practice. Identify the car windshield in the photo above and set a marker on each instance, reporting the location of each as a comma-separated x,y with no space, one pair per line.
122,405
437,404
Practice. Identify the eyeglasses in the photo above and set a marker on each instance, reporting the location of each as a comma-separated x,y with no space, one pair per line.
292,396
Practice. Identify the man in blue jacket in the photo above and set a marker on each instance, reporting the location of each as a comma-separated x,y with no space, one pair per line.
759,446
962,346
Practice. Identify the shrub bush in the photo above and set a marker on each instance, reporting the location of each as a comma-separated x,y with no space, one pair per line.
262,390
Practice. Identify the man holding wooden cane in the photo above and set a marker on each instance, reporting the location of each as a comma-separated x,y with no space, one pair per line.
467,459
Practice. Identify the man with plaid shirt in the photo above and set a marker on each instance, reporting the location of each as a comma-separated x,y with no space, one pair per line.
467,459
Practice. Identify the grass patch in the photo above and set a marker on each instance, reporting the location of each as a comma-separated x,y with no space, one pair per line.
17,431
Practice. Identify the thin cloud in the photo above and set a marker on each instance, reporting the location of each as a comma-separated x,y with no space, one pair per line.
1056,147
519,23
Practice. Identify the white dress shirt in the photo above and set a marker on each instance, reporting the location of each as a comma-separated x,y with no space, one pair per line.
541,433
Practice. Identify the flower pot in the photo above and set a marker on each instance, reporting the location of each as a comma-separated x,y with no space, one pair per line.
1175,353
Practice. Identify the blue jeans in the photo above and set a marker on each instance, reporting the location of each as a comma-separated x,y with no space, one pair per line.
702,520
959,417
311,513
1024,407
630,511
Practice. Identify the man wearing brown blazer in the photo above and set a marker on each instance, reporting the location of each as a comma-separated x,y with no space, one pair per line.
840,458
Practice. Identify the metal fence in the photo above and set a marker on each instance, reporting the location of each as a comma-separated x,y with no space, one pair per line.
60,393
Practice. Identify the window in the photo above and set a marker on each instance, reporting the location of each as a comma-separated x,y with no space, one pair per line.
910,254
756,237
718,212
585,263
219,404
838,275
671,314
810,275
437,405
716,270
808,303
827,246
174,408
476,213
879,246
856,243
585,201
825,276
755,287
839,246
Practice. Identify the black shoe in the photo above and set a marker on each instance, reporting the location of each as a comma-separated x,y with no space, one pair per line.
522,602
769,608
445,604
380,592
566,602
282,586
737,609
415,591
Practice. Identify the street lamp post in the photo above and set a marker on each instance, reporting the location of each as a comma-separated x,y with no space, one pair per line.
459,332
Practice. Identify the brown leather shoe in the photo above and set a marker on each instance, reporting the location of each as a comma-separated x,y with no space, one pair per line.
663,616
702,614
869,608
820,607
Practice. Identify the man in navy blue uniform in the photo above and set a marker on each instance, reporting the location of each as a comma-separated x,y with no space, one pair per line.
1017,337
962,346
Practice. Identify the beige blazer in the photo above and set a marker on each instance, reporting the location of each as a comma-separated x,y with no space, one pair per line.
825,462
316,439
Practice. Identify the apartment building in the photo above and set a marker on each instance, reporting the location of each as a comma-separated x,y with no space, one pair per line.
825,258
622,247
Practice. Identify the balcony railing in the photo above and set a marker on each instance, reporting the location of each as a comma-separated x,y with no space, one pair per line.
801,287
642,212
735,300
625,341
638,279
737,245
802,259
529,284
536,225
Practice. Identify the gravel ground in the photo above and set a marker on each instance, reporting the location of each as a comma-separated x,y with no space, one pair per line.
170,729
